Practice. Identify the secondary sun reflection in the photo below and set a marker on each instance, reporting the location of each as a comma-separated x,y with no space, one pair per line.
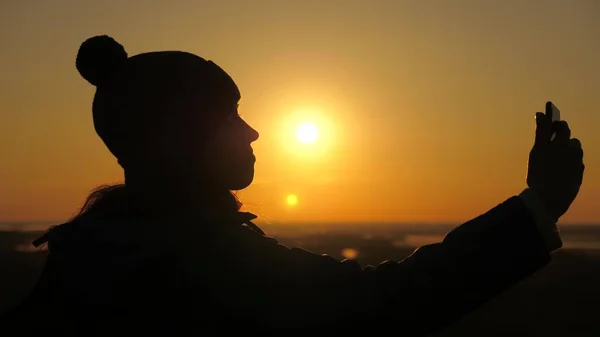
291,199
350,253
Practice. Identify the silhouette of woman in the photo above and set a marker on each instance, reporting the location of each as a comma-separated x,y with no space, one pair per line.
169,253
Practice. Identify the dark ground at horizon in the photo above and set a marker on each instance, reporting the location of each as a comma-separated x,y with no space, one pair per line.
561,300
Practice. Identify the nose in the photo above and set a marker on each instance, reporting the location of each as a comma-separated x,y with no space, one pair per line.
251,134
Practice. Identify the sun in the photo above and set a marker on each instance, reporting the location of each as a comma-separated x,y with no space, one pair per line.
307,133
292,199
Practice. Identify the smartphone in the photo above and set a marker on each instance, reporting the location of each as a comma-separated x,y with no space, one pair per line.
554,113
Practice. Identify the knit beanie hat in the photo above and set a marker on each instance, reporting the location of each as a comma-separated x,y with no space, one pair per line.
137,98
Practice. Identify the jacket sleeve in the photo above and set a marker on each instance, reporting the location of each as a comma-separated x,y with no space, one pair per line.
436,285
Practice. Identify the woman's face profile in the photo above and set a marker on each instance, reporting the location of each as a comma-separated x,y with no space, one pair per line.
229,154
210,143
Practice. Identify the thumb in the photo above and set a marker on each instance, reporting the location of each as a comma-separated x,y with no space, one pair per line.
543,130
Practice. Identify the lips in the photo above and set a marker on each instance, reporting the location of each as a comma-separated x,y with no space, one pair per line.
248,157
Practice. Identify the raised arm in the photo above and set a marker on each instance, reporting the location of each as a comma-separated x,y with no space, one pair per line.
269,285
437,284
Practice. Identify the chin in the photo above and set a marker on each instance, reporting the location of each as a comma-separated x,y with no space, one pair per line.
241,181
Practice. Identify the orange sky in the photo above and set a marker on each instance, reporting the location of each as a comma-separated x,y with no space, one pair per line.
425,107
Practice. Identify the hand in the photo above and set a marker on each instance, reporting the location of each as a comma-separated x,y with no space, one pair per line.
555,169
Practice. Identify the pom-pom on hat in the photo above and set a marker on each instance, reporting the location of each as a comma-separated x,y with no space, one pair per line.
99,57
136,96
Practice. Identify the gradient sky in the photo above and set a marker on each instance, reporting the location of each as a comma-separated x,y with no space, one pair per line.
426,108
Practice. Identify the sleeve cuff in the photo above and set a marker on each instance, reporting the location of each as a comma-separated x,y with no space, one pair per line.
546,226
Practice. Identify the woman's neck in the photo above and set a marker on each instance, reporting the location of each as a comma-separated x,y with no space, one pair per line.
177,193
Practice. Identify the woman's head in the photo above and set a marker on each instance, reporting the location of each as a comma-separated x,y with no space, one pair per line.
168,115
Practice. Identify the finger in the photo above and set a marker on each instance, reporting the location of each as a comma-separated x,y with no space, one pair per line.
575,144
580,174
543,129
563,133
577,151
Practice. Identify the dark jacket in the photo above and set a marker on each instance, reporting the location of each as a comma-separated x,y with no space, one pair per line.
192,275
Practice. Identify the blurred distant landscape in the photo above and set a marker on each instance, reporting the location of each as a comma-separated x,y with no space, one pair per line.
561,300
